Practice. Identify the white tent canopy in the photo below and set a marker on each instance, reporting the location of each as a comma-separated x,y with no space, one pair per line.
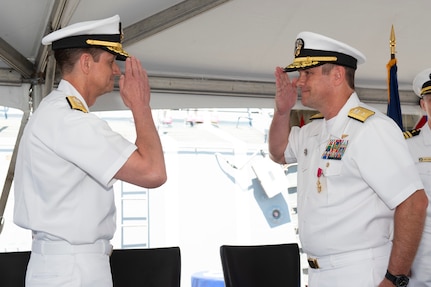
212,54
217,52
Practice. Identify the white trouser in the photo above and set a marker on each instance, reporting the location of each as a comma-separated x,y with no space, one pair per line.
58,263
362,268
421,268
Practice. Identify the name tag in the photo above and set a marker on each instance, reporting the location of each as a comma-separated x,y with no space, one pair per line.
425,159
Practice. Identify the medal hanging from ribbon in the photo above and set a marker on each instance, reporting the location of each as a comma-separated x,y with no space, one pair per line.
318,184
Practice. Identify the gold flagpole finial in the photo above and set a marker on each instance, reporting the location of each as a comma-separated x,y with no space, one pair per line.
392,42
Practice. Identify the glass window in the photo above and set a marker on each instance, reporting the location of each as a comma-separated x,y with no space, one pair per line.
213,195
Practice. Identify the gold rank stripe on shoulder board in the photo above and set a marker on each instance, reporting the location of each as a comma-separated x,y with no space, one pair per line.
360,113
411,133
318,116
76,104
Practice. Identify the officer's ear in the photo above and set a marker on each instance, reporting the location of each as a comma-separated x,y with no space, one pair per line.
85,62
422,104
338,74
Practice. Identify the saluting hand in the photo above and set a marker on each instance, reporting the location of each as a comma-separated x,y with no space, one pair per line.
134,85
286,94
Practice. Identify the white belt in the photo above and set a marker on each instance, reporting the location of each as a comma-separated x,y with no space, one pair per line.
343,259
63,247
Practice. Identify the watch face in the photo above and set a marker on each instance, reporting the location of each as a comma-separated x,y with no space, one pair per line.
402,281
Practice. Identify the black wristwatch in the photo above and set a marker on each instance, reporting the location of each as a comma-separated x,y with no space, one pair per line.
397,280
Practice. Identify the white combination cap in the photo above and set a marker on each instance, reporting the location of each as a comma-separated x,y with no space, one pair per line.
312,50
105,34
422,83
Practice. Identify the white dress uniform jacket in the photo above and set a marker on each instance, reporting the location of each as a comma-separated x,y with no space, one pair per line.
420,148
64,172
364,173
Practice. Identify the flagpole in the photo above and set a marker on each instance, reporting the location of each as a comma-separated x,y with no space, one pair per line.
392,43
394,104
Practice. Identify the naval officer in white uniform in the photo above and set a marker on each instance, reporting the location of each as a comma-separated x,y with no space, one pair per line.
419,142
361,203
69,159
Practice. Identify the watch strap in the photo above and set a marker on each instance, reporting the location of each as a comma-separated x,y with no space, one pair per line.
390,277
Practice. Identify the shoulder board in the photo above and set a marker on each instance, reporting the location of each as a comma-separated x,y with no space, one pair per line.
318,116
411,133
360,113
76,104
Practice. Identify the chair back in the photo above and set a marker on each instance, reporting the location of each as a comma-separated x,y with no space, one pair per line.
151,267
261,265
13,266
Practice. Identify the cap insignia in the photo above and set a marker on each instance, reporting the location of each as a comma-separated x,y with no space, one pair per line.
298,46
121,32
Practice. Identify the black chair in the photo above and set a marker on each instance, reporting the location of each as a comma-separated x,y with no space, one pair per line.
13,266
152,267
261,265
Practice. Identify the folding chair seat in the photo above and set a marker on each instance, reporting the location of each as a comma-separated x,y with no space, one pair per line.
261,265
151,267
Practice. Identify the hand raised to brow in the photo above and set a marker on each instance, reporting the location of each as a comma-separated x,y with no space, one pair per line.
134,85
286,94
